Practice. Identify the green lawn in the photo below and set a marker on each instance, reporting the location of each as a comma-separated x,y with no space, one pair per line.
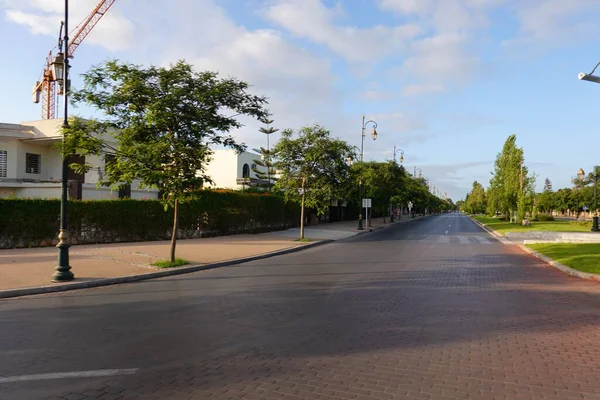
552,226
583,257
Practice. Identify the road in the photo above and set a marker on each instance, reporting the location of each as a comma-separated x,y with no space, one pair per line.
431,309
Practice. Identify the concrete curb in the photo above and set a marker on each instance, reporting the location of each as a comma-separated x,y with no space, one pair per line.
561,267
494,233
160,274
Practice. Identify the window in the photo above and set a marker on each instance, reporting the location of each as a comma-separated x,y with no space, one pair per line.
246,171
33,163
3,163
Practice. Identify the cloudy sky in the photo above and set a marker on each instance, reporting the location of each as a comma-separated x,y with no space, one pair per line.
446,80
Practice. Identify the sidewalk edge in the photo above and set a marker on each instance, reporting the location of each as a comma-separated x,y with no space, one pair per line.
561,267
493,232
10,293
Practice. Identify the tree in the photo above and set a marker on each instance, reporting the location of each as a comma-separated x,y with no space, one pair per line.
160,125
547,185
265,157
312,167
509,178
476,202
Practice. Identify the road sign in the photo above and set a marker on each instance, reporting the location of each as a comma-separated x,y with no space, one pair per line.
366,203
410,205
585,208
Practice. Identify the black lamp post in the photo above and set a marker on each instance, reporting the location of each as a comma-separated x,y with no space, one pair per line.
362,142
595,218
63,269
594,175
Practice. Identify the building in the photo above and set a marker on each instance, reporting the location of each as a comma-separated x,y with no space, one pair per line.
230,170
31,166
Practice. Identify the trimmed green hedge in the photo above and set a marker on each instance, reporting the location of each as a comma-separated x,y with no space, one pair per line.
35,222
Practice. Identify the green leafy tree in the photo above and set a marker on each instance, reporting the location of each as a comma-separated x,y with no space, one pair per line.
547,185
476,202
312,167
508,182
267,172
159,125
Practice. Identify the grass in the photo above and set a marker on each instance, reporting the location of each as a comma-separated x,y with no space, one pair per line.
167,263
583,257
305,240
548,226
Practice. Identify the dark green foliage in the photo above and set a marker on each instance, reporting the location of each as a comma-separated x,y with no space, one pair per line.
33,222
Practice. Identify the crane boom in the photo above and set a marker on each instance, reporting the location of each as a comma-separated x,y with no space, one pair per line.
89,24
46,88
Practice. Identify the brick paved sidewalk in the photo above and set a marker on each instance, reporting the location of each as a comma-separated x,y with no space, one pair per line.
24,268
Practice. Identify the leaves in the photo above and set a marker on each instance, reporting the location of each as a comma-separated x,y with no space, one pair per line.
311,153
160,123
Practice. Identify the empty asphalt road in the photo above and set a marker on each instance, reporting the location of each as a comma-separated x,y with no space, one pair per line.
431,309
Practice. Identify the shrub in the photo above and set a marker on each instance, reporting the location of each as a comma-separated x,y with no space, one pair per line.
35,222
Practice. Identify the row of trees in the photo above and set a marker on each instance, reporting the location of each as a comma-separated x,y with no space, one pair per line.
511,190
160,124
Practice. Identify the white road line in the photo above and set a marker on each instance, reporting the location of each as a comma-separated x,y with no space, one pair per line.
463,240
67,375
446,232
444,239
483,240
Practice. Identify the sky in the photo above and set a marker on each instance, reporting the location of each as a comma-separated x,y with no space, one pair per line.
447,81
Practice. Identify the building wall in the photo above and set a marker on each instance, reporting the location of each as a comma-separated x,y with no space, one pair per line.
50,165
11,147
222,169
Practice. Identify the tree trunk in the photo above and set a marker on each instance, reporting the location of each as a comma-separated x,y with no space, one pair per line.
175,227
302,210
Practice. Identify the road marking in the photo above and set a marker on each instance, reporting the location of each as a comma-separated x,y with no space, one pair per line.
483,240
444,239
67,375
446,232
463,240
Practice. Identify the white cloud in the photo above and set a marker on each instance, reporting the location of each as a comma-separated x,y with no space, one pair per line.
43,17
312,20
552,22
417,89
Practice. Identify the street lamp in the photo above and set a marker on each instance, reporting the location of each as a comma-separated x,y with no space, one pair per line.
590,77
420,172
581,175
362,144
401,154
63,269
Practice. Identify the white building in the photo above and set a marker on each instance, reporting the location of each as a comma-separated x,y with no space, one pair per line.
31,166
230,170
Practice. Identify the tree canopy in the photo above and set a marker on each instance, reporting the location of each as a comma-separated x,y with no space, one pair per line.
159,125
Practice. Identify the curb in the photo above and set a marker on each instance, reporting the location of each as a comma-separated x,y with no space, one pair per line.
494,233
4,294
561,267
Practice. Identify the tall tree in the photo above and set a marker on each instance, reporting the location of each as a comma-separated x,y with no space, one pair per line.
547,185
312,168
509,178
160,125
266,172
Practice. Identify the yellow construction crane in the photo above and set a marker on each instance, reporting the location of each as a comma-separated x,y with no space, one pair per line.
45,89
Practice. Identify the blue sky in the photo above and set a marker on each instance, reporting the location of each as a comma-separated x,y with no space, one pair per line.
446,80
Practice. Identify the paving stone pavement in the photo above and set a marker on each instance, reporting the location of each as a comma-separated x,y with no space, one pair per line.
379,316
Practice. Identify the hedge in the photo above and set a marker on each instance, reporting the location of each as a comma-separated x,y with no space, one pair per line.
35,222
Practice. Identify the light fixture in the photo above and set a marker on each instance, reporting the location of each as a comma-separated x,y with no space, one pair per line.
58,67
401,158
590,77
374,134
581,174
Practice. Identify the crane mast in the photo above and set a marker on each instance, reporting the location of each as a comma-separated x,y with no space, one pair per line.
45,90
